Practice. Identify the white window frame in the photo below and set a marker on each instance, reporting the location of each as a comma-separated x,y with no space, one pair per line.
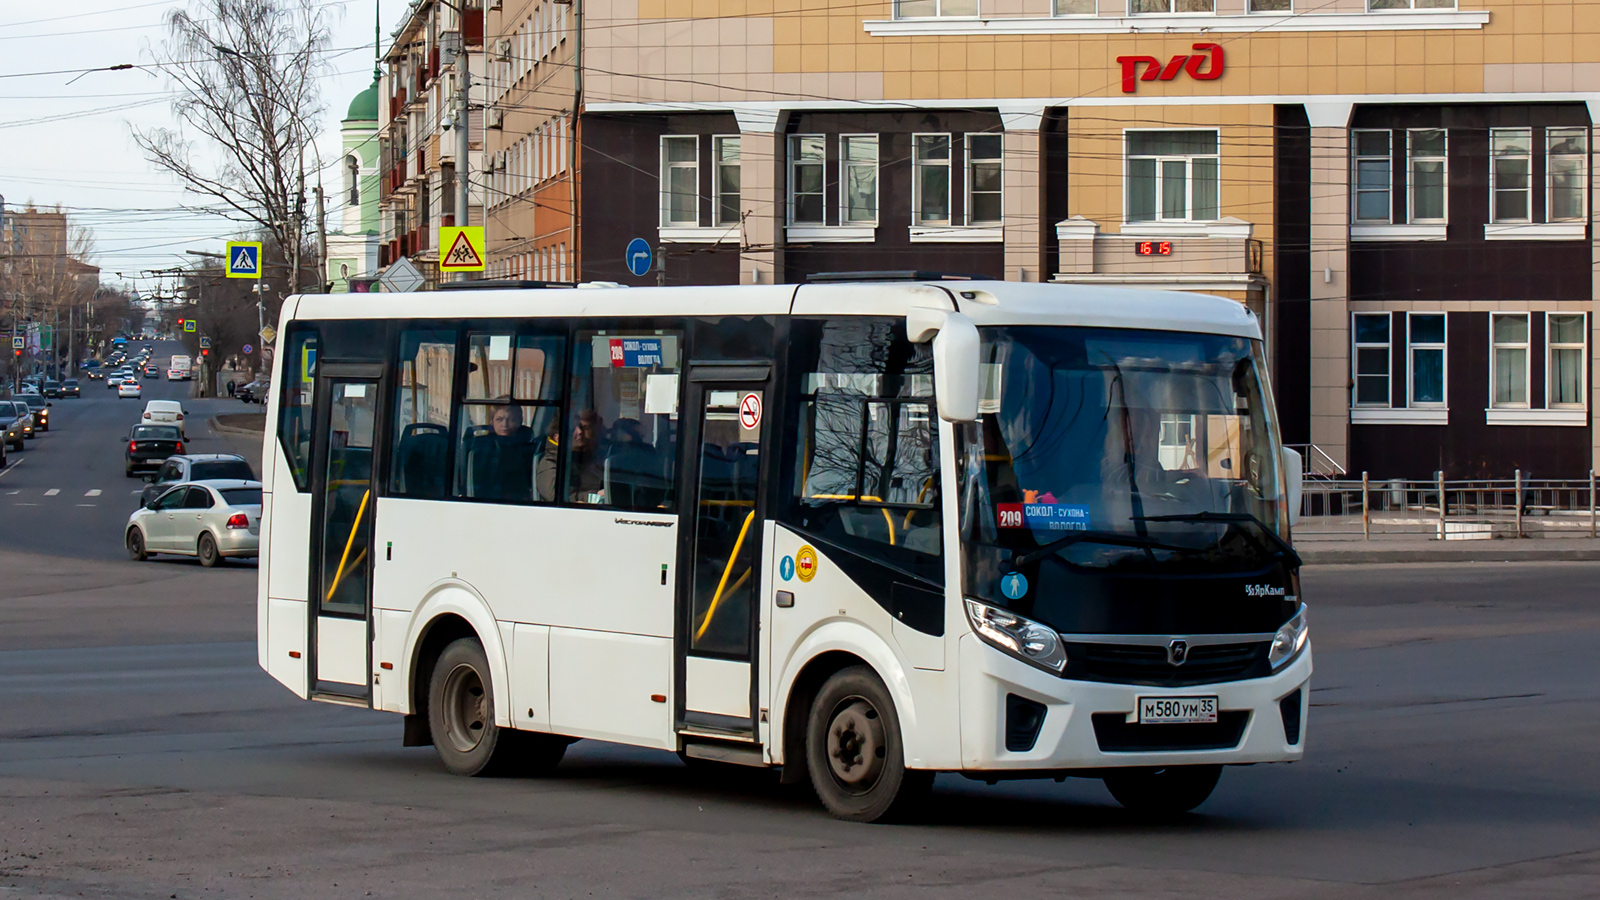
1188,202
1549,179
1411,362
1444,173
717,164
1356,346
939,13
916,181
1550,348
1055,10
1355,177
794,162
844,178
666,182
967,164
1411,6
1171,12
1527,368
1250,9
1494,186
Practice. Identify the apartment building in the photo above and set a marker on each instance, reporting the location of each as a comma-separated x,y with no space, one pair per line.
529,182
1400,189
417,154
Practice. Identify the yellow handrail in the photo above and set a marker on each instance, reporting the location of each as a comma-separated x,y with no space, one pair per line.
339,575
866,498
726,571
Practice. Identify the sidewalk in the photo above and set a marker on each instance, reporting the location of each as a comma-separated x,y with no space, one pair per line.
1320,550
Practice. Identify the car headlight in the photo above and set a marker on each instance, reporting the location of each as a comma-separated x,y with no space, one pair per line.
1289,640
1018,636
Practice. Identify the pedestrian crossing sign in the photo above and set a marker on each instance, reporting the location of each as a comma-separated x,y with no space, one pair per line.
461,249
244,259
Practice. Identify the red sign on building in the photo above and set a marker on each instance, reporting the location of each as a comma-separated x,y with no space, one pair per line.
1155,71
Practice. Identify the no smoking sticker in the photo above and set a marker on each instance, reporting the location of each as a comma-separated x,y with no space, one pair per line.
750,411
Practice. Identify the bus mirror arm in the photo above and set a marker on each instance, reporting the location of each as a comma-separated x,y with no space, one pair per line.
1294,481
955,359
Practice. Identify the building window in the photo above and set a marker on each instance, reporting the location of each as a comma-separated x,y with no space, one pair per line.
1426,343
1512,152
1410,4
1372,177
858,153
1271,6
807,164
725,150
1426,147
930,201
1075,7
1509,363
680,180
1172,176
983,179
927,9
1139,7
1568,174
352,175
1566,375
1371,332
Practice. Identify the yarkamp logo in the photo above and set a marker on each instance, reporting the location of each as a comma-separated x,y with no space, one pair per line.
1264,590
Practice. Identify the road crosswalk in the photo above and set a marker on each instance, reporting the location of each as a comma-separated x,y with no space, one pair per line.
27,498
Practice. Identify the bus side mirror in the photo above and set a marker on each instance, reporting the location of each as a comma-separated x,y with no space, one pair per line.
955,359
1294,481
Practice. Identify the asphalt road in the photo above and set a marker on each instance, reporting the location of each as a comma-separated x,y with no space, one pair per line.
1451,753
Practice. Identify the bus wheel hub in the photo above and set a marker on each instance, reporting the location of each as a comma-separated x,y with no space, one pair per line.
856,745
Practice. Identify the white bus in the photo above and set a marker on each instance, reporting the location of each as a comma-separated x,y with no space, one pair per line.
865,532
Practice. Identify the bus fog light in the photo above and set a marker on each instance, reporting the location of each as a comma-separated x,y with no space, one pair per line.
1018,636
1289,640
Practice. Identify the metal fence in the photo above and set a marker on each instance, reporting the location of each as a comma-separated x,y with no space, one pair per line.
1448,510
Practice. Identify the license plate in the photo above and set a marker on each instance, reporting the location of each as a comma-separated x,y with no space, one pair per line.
1177,710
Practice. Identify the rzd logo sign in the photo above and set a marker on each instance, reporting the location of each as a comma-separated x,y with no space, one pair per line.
1155,71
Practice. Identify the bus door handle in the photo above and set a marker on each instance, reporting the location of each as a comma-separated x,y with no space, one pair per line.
785,599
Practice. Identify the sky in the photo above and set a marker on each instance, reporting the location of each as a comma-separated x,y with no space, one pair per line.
72,145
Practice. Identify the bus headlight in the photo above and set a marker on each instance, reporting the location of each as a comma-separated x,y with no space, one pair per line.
1289,640
1018,636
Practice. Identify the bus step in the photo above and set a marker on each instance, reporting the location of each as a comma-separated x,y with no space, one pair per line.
741,756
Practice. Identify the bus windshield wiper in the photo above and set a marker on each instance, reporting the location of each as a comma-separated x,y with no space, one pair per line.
1285,549
1109,538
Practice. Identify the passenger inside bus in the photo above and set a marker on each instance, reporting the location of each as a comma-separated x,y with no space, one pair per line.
501,459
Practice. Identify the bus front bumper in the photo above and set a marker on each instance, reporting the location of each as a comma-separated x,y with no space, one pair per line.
1053,724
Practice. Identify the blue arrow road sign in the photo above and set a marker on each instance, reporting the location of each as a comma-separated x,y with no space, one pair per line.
638,258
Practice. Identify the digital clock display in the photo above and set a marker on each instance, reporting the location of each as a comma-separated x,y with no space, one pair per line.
1153,248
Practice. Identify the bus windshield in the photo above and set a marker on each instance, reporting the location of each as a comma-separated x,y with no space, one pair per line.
1108,452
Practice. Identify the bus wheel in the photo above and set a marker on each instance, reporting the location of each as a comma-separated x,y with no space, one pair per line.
1166,791
461,720
854,752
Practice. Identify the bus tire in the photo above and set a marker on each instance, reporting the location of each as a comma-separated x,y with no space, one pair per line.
461,713
854,751
1168,791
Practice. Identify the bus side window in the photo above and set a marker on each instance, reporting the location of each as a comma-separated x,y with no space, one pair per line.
419,466
621,440
509,420
296,388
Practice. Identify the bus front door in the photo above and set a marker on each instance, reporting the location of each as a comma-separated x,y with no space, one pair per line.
341,557
721,558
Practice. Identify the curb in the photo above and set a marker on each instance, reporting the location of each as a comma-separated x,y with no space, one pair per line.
220,428
1375,555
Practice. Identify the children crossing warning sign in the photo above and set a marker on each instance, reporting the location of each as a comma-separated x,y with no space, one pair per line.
461,249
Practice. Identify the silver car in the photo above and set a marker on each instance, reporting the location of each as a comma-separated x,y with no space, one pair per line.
213,520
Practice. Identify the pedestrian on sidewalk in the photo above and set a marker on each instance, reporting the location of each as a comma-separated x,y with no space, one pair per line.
231,387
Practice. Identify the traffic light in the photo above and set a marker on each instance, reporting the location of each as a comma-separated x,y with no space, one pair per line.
206,352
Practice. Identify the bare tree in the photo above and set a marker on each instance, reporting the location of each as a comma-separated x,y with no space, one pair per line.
246,75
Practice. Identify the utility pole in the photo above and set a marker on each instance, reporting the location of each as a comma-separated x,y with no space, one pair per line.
322,241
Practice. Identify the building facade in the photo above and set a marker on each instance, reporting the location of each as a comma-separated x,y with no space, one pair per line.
417,154
1400,189
353,239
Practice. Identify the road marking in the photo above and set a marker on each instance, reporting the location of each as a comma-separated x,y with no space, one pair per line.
24,504
93,493
52,492
12,493
11,468
87,504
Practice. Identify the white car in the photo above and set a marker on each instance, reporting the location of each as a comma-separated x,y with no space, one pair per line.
213,520
129,388
175,375
165,412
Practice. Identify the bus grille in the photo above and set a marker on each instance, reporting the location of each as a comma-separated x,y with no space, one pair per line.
1145,664
1115,735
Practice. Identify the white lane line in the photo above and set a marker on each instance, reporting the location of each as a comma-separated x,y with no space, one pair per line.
52,492
12,493
87,504
24,504
10,468
93,493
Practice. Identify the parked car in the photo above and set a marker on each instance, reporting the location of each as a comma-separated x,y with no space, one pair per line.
40,407
254,392
165,412
196,467
129,388
52,388
149,446
16,418
71,388
214,520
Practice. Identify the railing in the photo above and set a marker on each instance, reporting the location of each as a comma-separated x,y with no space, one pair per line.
1318,464
1470,510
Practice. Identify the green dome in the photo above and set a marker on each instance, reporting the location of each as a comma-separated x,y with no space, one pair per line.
364,108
